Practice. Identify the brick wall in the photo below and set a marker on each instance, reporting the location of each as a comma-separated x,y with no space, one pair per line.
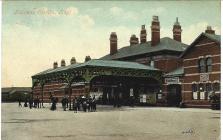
203,48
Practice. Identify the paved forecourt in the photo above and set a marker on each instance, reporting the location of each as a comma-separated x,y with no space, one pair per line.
141,123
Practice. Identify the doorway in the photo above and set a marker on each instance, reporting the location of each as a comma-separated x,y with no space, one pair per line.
174,95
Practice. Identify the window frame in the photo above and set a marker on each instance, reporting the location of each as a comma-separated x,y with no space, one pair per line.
201,66
209,65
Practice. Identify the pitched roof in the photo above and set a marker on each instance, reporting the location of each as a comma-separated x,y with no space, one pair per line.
213,37
166,43
177,72
101,63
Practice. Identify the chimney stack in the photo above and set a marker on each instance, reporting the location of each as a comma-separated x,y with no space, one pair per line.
209,30
73,60
133,40
177,31
113,43
63,64
143,34
155,30
55,65
87,58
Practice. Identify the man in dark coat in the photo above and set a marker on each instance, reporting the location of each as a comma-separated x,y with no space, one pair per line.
54,101
94,104
20,105
64,102
38,102
30,103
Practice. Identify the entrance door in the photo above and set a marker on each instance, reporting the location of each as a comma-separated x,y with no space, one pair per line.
174,95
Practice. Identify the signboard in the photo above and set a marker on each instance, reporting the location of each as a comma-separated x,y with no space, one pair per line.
96,94
204,77
172,80
148,98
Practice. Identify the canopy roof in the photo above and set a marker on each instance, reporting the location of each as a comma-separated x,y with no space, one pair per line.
166,44
100,63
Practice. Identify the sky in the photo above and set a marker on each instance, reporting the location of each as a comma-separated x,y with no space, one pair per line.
36,34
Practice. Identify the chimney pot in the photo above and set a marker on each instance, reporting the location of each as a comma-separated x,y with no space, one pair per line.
63,63
55,65
155,30
87,58
209,30
143,34
73,60
177,31
133,40
113,43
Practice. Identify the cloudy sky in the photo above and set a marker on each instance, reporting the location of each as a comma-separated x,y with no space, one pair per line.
35,34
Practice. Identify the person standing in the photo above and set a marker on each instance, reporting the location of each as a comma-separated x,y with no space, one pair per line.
25,103
94,104
64,102
54,101
30,103
75,108
38,102
19,100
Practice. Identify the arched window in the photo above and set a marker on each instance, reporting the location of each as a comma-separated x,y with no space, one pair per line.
209,64
201,91
201,64
209,90
194,91
194,87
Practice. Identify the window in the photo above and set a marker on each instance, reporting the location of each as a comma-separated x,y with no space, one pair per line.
201,64
201,90
209,90
209,64
194,87
194,90
216,87
151,63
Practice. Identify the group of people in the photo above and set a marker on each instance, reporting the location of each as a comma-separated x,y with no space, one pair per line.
82,103
87,104
32,103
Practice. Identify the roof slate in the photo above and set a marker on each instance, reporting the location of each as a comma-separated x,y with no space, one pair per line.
166,43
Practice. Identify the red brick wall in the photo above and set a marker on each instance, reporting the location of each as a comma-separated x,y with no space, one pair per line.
57,91
203,48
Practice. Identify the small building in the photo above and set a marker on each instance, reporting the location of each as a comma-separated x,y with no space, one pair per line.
13,94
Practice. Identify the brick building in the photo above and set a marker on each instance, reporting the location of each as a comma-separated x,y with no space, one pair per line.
201,64
162,71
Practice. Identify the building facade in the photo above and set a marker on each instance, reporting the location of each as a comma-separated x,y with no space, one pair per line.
162,71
